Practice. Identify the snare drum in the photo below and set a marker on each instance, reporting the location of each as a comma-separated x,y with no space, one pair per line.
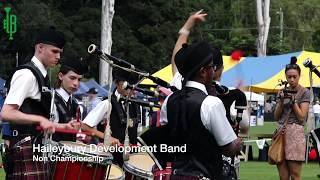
116,173
78,162
139,166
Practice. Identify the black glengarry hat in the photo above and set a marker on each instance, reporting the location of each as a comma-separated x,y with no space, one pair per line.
122,75
51,36
190,58
76,65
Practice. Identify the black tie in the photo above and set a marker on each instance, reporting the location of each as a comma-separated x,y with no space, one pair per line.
69,104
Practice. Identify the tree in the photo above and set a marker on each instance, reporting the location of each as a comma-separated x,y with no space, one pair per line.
144,32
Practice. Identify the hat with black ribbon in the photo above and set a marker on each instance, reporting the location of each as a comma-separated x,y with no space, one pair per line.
190,58
51,36
122,75
74,64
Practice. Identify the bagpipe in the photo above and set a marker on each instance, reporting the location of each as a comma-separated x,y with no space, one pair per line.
126,66
120,63
227,97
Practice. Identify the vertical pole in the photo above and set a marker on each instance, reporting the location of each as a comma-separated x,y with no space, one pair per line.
281,25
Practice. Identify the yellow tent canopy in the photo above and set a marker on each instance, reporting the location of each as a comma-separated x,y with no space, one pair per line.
166,72
260,74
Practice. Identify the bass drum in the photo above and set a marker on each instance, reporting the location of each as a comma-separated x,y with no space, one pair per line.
78,162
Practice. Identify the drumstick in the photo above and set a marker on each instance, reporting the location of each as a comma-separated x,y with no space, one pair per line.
131,145
150,153
67,131
78,114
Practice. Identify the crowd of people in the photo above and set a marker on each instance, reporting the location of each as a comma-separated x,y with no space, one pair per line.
196,115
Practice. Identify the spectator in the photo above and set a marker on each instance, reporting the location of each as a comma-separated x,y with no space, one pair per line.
268,106
292,108
93,100
316,111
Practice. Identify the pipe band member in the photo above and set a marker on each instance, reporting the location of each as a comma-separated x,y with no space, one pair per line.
196,119
118,117
28,105
66,105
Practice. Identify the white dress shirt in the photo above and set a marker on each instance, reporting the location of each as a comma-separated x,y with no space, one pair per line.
24,85
176,80
213,116
99,113
316,108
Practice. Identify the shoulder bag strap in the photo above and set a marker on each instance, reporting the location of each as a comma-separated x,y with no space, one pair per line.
299,93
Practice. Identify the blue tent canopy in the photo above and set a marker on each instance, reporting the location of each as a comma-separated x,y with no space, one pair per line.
85,86
254,70
82,89
2,83
93,84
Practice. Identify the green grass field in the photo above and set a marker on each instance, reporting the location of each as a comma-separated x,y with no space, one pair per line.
253,170
261,170
268,127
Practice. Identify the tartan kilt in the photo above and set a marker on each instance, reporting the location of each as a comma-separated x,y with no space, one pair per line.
23,167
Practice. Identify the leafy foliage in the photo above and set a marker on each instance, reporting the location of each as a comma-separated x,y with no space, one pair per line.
144,31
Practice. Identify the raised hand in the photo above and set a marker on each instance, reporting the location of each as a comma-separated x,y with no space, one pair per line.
195,18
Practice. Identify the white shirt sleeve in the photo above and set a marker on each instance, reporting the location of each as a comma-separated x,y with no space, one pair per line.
213,117
23,85
163,112
176,80
97,114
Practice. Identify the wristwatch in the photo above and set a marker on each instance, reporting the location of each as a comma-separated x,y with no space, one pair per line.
295,101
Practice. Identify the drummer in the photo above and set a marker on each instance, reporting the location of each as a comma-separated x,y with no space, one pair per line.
118,118
68,82
27,105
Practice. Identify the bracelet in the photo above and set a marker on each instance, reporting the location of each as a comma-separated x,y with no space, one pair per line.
184,31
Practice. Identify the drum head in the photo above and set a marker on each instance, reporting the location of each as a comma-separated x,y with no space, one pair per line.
139,164
84,150
115,172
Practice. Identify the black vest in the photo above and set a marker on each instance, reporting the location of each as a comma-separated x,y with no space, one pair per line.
31,106
118,120
65,115
184,120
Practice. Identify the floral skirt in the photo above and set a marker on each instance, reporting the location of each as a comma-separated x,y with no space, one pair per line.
295,142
